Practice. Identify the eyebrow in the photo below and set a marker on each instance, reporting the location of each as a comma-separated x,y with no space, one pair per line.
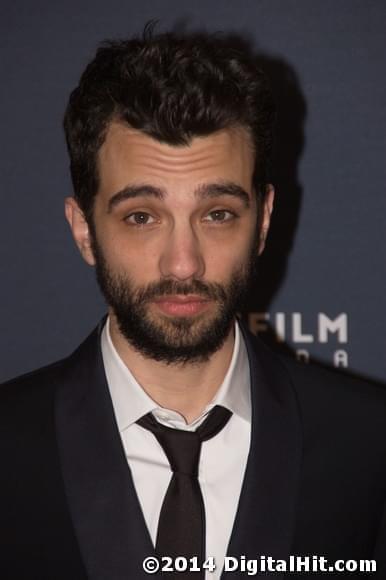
230,188
131,191
205,191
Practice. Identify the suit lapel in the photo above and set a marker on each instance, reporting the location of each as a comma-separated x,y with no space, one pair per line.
265,518
106,514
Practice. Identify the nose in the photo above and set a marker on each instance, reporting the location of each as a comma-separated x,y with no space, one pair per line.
182,257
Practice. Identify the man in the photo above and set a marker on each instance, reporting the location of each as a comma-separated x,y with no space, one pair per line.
169,139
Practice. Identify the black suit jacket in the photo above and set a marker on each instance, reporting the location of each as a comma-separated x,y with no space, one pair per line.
315,482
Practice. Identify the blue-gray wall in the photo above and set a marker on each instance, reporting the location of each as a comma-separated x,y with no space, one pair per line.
324,271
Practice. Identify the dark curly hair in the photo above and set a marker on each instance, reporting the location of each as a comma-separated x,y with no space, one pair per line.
172,87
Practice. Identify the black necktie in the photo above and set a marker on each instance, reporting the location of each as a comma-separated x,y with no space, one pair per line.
181,526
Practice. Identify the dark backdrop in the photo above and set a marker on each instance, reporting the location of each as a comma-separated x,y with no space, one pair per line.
323,276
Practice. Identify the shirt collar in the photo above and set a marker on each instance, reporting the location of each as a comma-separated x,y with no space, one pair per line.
131,402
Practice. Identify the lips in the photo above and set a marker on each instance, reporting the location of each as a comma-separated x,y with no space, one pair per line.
182,305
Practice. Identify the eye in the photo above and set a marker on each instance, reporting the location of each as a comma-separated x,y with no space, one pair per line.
139,218
220,215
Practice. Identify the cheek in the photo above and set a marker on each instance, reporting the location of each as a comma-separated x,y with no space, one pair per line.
140,263
225,259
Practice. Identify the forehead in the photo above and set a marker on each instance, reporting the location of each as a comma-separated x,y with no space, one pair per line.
128,156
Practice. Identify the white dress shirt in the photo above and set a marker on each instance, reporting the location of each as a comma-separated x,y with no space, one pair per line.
223,458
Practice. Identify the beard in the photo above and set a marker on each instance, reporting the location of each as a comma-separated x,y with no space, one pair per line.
173,339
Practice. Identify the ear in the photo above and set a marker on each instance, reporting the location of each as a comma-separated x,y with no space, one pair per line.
267,207
80,229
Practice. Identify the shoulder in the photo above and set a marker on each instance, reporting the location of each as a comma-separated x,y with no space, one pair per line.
327,387
341,414
33,378
328,398
40,385
342,419
29,396
29,404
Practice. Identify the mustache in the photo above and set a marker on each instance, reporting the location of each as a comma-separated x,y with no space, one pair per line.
212,291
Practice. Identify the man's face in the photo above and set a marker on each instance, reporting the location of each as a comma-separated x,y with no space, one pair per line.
174,238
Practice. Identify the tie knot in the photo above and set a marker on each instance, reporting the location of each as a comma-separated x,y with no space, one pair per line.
181,447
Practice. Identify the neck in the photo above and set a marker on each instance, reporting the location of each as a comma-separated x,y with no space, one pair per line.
185,388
